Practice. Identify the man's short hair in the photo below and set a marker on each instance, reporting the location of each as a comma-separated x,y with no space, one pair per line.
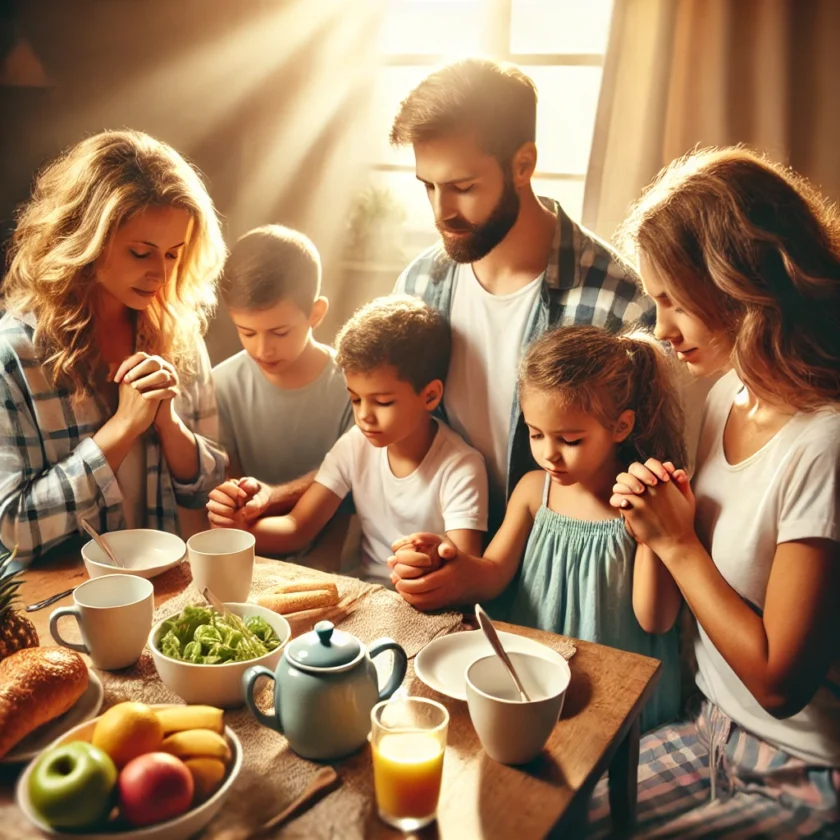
495,100
270,264
400,331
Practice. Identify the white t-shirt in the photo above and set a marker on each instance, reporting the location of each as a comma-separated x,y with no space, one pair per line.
787,491
487,335
448,491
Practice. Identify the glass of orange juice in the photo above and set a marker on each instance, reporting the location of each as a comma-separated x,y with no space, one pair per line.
408,739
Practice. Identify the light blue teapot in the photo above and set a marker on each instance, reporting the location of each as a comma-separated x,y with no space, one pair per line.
325,686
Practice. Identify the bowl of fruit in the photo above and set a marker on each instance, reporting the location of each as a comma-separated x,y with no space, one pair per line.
137,772
201,655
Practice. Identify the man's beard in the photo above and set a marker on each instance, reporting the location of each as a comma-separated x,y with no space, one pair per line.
478,241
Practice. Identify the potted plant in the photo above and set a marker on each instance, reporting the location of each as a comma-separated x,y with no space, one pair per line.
375,231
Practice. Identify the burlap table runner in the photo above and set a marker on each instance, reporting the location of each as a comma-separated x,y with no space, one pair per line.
272,775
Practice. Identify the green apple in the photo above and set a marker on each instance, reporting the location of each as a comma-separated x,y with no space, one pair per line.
72,785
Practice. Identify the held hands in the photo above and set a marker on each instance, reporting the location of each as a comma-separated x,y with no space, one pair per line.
238,503
426,571
657,504
155,381
419,554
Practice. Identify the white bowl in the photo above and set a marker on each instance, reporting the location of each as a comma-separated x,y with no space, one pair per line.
512,730
217,685
144,552
179,828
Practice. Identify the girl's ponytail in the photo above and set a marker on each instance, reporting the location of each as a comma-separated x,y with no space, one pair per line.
658,430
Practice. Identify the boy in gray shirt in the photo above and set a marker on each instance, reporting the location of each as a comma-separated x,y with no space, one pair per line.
282,400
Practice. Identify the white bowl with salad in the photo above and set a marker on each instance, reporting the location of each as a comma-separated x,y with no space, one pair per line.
201,655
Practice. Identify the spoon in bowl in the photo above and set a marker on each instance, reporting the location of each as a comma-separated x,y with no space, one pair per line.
493,637
101,542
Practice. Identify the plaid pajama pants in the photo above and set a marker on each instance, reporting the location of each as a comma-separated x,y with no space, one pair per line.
755,791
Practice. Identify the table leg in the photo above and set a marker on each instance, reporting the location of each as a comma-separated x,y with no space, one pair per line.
623,775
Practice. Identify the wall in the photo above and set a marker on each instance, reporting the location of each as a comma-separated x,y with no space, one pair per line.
268,97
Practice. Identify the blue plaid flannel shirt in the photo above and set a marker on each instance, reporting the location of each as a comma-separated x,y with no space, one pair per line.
585,282
51,470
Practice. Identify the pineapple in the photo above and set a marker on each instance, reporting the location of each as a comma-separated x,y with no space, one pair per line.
16,632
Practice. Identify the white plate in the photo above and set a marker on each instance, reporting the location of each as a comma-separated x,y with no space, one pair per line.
444,661
178,828
85,708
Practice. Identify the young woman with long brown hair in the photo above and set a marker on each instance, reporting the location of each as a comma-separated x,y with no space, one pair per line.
106,405
742,259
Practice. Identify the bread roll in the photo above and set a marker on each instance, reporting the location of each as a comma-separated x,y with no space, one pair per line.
306,585
37,685
289,602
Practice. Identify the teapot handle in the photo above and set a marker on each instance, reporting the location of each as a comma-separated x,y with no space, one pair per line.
272,721
400,665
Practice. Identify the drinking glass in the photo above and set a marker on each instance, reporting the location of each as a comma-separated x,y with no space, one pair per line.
408,740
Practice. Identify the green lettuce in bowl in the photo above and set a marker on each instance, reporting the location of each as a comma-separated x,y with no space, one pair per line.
202,636
201,655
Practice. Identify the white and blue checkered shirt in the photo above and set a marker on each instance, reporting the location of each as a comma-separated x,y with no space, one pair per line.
585,282
51,470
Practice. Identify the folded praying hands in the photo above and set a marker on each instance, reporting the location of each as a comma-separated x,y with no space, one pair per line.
657,504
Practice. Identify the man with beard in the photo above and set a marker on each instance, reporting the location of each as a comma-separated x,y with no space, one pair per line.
510,264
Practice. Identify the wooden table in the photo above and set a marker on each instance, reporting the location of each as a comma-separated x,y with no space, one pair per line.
598,731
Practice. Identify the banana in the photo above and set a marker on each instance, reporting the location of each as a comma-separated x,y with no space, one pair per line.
197,743
207,775
180,718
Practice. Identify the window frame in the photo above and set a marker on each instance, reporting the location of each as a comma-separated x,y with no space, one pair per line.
495,42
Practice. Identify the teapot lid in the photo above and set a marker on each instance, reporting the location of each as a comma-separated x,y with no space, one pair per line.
325,647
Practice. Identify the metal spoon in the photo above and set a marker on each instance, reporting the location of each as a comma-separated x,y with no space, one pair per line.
100,541
39,605
490,631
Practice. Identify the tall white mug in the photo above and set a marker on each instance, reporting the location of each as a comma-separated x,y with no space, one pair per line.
222,560
114,614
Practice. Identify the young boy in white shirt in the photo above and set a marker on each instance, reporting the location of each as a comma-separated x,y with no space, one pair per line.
282,400
406,470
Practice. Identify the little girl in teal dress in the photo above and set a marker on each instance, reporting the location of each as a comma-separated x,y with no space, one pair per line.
593,402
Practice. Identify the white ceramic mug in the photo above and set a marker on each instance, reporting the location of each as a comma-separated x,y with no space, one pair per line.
222,560
510,730
114,614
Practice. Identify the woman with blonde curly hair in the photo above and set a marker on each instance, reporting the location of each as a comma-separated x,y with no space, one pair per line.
742,259
107,409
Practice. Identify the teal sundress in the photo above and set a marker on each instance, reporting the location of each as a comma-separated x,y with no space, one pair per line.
577,580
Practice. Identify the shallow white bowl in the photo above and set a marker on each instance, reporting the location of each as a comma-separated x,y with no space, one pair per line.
217,685
144,552
178,828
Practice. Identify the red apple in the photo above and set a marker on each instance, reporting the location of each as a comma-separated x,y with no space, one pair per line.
154,787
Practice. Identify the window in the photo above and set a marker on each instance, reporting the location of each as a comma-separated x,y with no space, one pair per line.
559,43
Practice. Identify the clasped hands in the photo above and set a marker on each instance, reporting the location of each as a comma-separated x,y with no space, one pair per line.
238,503
657,504
147,388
